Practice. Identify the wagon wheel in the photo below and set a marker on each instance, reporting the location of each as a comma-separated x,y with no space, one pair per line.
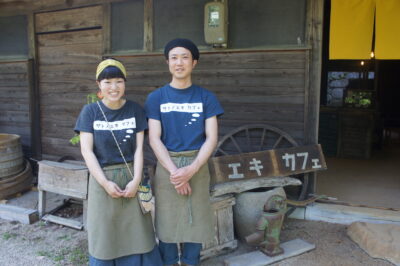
260,137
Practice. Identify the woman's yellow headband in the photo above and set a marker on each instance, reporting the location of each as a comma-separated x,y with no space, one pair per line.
107,63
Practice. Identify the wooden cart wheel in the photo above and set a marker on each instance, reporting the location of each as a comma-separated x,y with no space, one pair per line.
259,137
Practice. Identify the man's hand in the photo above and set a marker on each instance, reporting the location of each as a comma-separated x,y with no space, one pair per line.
113,189
182,175
184,189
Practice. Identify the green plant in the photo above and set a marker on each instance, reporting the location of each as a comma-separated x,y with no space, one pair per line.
90,98
7,236
358,99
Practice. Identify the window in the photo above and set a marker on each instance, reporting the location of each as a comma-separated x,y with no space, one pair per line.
127,26
254,23
179,19
14,36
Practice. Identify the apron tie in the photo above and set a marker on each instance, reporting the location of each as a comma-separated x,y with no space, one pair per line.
182,162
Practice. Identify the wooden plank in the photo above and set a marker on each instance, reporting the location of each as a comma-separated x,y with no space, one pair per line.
244,185
71,19
148,25
63,178
225,225
70,38
15,213
63,221
218,250
106,28
269,163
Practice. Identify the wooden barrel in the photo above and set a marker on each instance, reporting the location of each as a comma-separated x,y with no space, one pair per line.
18,183
11,156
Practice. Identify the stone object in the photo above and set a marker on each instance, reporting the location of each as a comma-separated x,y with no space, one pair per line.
378,240
248,209
257,258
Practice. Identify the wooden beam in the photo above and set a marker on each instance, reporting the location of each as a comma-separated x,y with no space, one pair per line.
15,213
244,185
314,39
148,25
106,28
63,221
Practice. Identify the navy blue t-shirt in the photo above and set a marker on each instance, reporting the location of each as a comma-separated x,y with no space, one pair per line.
125,123
182,113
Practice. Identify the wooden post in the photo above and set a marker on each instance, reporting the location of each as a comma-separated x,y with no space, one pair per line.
42,203
106,28
148,26
314,39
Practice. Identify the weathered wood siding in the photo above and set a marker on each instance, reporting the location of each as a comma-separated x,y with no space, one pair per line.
253,87
14,101
67,65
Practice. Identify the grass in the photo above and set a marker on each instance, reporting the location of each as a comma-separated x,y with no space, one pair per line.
64,237
73,256
7,236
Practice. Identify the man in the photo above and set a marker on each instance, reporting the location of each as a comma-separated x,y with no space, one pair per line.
183,133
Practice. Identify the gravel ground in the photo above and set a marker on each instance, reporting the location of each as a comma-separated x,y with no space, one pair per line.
49,244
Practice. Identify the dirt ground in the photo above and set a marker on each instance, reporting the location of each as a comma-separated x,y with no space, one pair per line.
50,244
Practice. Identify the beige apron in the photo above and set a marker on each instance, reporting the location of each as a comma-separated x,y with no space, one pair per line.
116,227
183,218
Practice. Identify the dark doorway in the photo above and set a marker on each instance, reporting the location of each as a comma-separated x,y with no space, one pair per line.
359,128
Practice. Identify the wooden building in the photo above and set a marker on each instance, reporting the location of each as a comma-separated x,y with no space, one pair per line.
269,72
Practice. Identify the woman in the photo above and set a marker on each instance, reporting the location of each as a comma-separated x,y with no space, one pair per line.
118,232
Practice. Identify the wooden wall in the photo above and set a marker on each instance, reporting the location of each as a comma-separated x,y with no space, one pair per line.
269,86
67,63
253,87
15,87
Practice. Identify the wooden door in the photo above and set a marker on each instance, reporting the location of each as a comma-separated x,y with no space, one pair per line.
69,49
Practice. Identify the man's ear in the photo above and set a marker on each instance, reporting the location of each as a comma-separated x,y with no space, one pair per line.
98,83
194,63
167,62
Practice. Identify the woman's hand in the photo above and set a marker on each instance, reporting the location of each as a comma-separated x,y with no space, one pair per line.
131,189
113,189
184,189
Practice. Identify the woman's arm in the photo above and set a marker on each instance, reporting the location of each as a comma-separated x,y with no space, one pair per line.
86,140
132,186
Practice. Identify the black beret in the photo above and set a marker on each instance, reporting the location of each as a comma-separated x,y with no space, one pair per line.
185,43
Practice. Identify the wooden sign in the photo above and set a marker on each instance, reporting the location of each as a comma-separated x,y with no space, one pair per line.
269,163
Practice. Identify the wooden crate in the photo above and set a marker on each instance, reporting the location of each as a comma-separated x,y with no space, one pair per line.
68,179
224,238
64,178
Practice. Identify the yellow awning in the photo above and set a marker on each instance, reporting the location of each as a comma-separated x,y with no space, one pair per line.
387,29
351,29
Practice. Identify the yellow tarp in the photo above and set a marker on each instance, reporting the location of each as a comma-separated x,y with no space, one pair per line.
351,29
387,29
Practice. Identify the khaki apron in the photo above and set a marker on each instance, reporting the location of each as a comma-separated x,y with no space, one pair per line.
183,218
116,227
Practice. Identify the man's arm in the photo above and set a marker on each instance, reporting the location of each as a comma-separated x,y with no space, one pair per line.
162,154
158,147
184,174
